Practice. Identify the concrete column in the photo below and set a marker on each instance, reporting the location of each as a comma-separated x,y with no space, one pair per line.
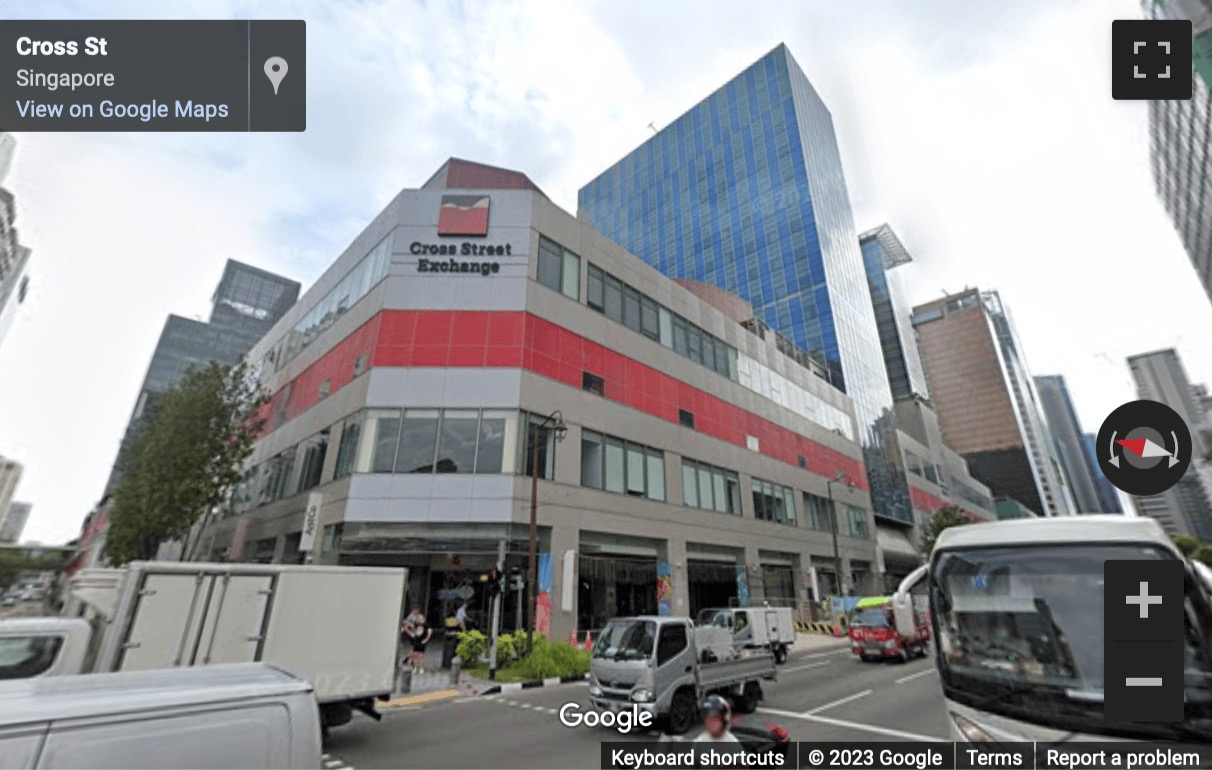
675,549
563,539
753,573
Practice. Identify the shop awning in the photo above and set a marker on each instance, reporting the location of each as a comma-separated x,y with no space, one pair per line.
895,546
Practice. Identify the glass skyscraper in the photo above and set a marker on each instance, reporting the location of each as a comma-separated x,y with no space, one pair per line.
245,306
746,191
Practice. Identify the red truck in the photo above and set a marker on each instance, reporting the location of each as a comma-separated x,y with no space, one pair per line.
873,634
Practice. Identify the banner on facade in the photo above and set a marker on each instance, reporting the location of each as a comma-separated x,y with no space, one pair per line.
664,588
742,586
568,585
543,603
311,522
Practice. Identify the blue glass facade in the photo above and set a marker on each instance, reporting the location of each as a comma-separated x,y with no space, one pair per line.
746,191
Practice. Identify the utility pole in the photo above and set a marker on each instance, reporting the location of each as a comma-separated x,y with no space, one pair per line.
496,615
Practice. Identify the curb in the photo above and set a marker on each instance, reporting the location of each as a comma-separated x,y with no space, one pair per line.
549,682
416,700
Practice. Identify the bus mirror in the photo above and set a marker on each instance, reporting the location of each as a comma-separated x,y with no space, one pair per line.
902,613
912,579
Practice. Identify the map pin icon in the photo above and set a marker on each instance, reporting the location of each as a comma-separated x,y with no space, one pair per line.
275,70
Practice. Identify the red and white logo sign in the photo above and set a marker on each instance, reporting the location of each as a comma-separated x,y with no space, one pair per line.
463,215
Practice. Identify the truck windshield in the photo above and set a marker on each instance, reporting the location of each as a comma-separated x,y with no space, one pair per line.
626,640
1020,633
870,619
713,618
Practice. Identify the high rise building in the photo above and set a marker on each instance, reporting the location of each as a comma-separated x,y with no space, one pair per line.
14,258
986,400
416,387
13,522
1108,496
246,304
1186,508
1067,435
1180,141
936,473
746,191
10,476
882,252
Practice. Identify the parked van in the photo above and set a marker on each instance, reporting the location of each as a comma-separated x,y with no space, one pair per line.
247,715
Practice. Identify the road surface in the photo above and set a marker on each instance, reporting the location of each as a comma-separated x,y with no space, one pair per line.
820,695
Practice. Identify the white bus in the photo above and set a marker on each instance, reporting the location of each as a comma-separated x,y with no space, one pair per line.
1017,610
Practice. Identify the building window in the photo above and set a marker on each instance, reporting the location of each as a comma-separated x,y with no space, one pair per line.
325,389
315,449
710,488
571,278
596,288
818,512
631,308
593,384
457,438
360,364
418,440
694,343
551,264
332,538
685,418
384,431
856,523
773,502
803,461
498,431
679,336
665,319
347,449
277,476
615,465
540,440
614,299
649,319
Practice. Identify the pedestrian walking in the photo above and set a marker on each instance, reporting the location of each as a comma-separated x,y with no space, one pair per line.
461,616
421,632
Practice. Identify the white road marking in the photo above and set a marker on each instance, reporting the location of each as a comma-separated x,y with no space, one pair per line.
930,670
801,668
856,696
821,654
524,705
854,726
332,764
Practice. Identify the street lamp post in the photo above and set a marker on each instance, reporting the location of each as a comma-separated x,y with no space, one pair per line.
842,586
556,420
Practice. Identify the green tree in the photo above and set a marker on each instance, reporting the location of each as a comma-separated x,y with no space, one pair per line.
1203,553
185,459
944,518
1187,544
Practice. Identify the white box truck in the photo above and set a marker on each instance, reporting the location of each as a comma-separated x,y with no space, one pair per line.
337,627
764,628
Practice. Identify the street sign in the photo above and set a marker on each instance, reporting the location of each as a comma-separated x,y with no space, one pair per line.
311,522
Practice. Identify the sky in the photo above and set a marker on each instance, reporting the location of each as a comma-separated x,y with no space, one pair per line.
984,133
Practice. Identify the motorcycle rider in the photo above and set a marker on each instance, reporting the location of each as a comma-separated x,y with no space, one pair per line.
717,718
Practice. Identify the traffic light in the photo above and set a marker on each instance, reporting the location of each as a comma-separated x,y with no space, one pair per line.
495,581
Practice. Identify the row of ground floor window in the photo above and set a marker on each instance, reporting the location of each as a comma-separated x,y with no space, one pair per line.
600,577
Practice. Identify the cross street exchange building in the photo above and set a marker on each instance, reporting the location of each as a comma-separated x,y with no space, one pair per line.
416,387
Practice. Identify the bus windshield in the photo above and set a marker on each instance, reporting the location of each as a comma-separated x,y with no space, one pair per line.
1020,633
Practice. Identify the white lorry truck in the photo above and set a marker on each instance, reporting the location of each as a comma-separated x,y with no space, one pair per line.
761,628
656,664
337,627
1017,612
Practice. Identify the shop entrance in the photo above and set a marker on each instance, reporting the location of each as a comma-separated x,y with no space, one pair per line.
614,586
779,583
711,584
